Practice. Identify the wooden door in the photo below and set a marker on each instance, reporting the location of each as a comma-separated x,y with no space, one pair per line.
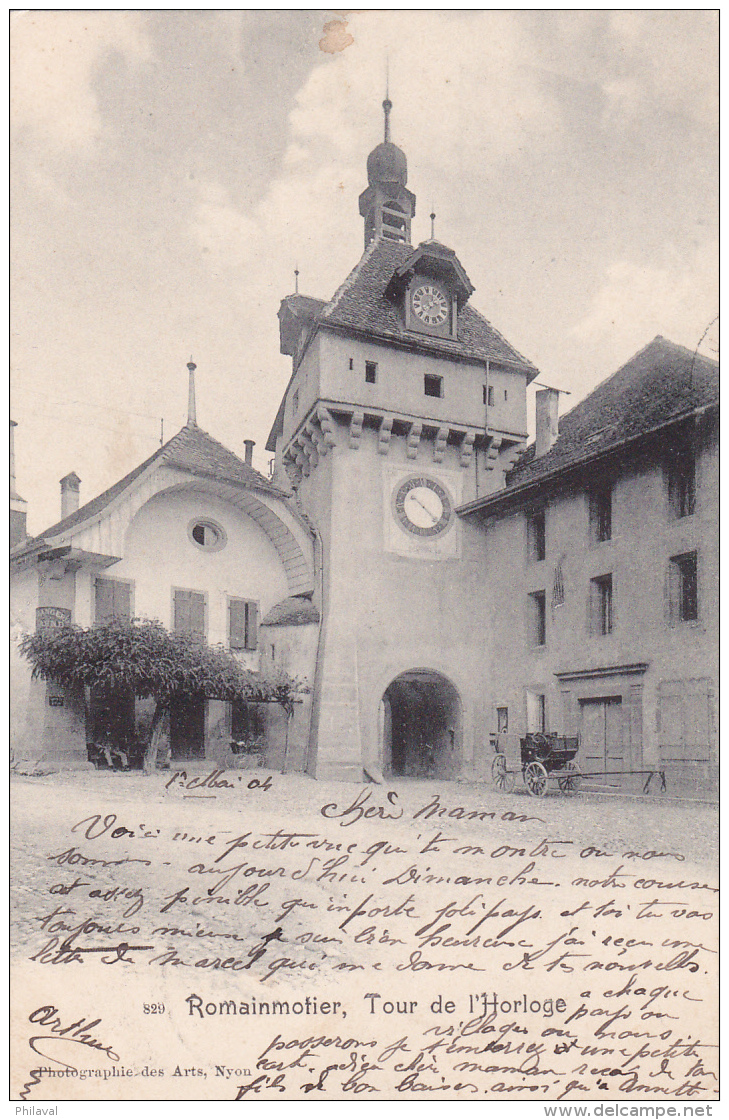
601,738
187,728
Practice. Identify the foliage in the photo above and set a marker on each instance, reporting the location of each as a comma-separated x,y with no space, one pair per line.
145,658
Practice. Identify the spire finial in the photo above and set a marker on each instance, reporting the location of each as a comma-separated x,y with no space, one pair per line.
387,104
296,280
432,225
191,409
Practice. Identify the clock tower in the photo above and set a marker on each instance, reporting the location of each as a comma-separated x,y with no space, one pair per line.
404,403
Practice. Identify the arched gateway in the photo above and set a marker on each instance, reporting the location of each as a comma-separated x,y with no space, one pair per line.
420,726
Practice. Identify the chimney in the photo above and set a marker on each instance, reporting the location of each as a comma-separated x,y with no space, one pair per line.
18,506
547,401
250,444
69,494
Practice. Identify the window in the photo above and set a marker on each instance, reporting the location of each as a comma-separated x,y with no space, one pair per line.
506,394
433,385
207,535
601,605
537,618
351,363
242,624
371,373
601,514
682,483
113,599
295,401
536,536
683,588
188,612
502,720
488,395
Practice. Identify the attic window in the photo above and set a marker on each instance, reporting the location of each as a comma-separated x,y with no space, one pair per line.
207,535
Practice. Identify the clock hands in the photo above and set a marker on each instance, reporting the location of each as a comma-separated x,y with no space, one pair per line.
429,512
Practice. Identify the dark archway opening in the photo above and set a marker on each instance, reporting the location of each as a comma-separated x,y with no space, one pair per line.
421,723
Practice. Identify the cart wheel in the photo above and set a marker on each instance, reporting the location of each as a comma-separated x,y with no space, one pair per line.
571,780
535,778
502,778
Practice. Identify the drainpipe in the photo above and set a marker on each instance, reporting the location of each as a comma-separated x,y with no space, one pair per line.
319,587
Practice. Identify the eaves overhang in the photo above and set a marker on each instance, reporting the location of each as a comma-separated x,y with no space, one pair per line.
512,497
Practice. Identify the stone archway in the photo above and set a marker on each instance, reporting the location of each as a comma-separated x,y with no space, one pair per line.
421,726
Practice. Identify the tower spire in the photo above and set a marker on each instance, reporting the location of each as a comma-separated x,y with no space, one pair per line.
387,104
191,408
387,206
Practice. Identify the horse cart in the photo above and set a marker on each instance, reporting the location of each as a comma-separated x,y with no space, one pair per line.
540,758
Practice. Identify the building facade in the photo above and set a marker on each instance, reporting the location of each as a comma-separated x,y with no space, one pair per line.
436,582
199,540
602,574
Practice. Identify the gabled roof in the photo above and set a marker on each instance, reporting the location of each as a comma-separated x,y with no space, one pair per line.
192,450
432,256
661,385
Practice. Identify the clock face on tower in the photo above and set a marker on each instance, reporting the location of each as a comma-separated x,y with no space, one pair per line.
431,304
422,506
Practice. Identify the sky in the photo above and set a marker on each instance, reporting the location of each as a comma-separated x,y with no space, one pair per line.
170,169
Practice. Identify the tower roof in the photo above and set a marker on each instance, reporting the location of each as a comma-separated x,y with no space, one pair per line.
361,304
387,164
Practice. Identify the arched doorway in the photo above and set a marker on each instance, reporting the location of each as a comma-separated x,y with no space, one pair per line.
421,726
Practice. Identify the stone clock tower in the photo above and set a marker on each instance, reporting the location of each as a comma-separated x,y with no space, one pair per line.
404,403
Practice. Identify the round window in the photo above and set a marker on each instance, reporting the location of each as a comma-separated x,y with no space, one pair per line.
207,535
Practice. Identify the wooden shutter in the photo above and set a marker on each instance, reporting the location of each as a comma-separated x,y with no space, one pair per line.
104,600
237,623
684,721
197,613
113,600
189,612
251,625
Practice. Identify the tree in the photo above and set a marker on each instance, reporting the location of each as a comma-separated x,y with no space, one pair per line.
144,658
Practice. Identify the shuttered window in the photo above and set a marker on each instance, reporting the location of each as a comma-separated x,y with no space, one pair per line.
189,612
683,591
113,600
601,515
242,624
685,720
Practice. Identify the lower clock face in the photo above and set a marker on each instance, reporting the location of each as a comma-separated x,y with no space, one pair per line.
423,506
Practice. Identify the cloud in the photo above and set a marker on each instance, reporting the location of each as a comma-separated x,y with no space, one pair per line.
220,228
54,58
637,301
672,59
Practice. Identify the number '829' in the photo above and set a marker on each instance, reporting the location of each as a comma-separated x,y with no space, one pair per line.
153,1008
